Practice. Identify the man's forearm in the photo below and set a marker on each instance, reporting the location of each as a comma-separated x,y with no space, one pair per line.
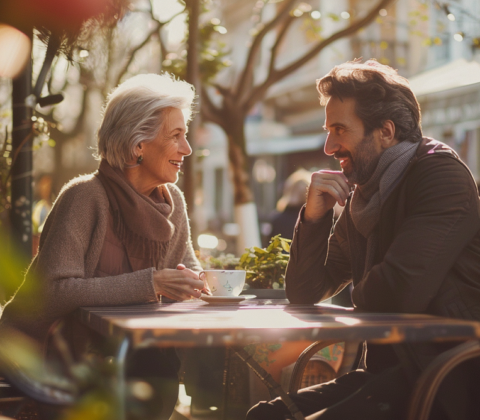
306,279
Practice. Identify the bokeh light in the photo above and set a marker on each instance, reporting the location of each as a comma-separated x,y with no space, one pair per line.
207,241
15,49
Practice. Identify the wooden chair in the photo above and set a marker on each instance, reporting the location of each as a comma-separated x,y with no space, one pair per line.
428,383
349,356
426,387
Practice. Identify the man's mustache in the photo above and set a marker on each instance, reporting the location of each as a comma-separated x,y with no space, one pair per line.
341,155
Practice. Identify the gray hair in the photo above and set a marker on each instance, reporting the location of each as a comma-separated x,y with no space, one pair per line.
135,112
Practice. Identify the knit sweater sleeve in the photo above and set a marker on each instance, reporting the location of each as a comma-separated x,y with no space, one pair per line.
69,250
188,258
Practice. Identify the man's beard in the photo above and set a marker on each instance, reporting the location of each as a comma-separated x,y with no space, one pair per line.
364,163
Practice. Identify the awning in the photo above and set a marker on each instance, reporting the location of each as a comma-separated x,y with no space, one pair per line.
284,145
458,73
265,137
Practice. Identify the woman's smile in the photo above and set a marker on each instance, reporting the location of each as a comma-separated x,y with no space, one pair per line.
177,163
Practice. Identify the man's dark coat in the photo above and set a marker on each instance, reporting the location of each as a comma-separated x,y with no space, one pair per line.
428,256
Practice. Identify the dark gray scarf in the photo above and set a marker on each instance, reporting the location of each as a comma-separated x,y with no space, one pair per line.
368,198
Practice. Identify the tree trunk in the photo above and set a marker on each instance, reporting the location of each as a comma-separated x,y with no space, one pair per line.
245,207
193,77
240,176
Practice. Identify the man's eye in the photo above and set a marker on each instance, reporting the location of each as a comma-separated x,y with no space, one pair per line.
339,130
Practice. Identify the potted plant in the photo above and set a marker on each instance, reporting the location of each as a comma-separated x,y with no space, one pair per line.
266,268
219,262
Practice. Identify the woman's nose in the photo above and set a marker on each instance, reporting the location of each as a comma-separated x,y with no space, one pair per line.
185,148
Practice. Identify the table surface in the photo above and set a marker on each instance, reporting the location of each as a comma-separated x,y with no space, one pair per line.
197,323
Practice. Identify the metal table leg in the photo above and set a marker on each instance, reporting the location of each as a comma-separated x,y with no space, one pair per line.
430,380
269,382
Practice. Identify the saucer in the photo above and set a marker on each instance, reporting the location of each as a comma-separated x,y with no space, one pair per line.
226,299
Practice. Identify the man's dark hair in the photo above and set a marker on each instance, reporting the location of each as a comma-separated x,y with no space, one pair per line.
380,94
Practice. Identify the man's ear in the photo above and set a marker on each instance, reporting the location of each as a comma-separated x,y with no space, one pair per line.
387,135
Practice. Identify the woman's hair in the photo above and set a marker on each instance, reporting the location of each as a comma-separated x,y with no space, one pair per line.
295,190
380,94
135,112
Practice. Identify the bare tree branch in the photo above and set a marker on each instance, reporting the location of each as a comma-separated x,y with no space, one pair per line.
133,51
225,92
78,128
247,73
79,123
163,48
209,111
277,75
157,29
109,37
274,49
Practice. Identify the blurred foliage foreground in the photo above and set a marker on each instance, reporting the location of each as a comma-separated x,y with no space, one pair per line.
62,387
65,389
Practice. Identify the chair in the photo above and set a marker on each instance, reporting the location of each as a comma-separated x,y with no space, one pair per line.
432,377
426,386
349,356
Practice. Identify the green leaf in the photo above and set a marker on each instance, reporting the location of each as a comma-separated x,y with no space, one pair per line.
260,250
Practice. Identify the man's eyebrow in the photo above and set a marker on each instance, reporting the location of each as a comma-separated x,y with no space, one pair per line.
337,124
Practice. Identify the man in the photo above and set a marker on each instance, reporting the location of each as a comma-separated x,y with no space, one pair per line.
408,239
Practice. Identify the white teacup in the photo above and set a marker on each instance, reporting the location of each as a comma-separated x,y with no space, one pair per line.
225,282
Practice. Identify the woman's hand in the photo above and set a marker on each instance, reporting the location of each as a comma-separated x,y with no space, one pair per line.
179,284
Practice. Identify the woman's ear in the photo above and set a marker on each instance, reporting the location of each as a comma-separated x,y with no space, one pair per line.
387,134
137,152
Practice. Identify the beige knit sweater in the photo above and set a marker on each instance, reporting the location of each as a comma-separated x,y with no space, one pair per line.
70,247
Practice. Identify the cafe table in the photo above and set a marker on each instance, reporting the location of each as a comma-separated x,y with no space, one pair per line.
197,323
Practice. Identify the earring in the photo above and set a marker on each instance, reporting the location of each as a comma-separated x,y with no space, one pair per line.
140,160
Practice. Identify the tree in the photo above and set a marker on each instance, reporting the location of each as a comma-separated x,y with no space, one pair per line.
238,97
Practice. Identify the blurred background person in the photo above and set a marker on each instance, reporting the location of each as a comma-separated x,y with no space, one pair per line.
288,206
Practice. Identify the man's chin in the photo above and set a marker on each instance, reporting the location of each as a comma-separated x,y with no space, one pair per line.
349,175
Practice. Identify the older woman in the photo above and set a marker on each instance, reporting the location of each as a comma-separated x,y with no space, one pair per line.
121,236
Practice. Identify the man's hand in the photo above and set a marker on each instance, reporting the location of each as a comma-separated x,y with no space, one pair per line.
179,284
326,189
